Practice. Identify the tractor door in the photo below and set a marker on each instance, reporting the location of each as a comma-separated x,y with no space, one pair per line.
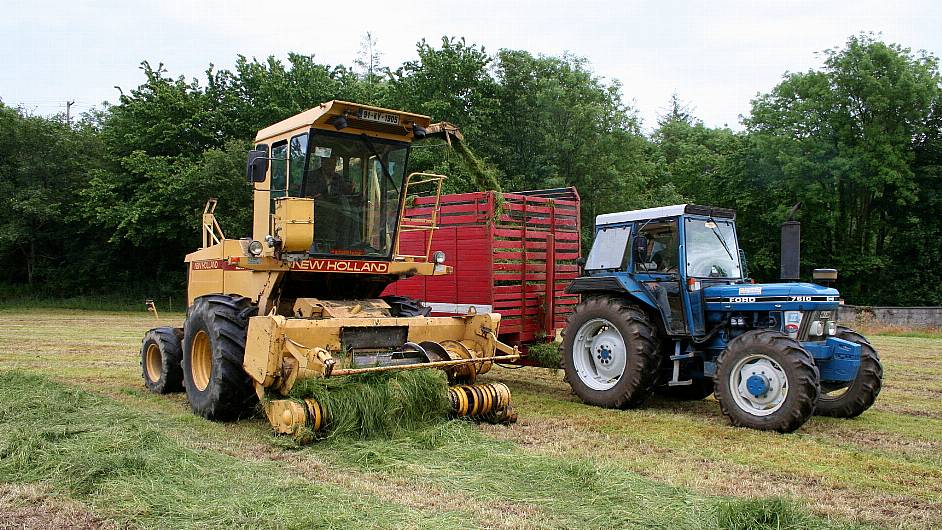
657,267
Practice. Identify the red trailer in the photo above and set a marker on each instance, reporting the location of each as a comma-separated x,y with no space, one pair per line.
512,253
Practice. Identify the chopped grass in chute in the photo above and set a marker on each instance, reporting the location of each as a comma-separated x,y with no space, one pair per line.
485,176
378,405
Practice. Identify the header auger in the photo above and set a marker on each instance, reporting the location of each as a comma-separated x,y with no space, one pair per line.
300,299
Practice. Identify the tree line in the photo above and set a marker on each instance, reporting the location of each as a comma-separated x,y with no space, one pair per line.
111,202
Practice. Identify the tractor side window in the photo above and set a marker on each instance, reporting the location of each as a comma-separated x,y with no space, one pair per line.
279,171
296,157
661,253
609,250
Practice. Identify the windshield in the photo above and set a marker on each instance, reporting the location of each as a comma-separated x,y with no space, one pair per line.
711,249
356,203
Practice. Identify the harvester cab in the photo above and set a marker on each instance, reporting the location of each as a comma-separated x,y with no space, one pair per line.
667,308
300,299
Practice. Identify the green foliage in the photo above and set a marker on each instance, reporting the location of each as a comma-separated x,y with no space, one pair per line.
379,405
762,514
545,354
113,202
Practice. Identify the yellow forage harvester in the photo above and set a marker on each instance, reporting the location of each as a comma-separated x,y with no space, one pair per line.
300,299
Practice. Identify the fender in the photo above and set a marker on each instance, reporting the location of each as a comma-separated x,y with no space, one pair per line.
620,283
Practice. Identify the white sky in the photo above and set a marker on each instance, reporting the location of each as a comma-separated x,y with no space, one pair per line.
716,55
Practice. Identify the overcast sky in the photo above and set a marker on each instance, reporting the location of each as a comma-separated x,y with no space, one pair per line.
716,55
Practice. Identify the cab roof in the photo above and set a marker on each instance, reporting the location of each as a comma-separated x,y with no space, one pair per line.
663,211
377,121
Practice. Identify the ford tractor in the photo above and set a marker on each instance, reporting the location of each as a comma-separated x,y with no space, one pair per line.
667,307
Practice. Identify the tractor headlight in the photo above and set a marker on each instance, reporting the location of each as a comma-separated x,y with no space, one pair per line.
255,248
816,329
832,328
438,257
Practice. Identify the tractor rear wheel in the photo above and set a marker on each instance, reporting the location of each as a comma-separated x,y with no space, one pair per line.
217,386
161,355
610,353
767,381
850,401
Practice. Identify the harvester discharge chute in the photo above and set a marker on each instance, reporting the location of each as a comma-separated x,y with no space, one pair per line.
301,300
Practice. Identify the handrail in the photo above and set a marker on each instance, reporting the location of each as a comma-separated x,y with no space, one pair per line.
212,232
418,224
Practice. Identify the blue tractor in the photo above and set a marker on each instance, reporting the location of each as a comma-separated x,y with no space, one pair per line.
667,307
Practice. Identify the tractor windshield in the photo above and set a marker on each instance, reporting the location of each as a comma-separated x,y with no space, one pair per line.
356,184
712,251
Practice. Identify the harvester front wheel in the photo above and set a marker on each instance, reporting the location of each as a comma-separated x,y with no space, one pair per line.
161,355
217,386
610,353
850,401
765,380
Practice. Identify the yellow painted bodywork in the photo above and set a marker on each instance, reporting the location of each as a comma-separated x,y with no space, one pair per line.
295,337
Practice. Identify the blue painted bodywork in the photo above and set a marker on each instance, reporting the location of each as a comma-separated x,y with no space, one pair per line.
712,304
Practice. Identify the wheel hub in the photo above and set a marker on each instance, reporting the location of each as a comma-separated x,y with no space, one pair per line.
759,385
599,354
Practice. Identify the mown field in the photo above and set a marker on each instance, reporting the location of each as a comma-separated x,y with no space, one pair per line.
83,445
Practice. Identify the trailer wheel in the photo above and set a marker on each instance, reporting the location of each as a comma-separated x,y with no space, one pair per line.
217,386
699,389
767,381
850,401
610,353
161,355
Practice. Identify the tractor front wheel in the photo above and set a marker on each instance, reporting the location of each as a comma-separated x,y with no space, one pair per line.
217,386
610,353
851,400
767,381
161,355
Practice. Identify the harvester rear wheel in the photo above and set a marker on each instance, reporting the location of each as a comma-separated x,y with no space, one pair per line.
765,380
161,355
213,348
852,400
610,353
403,306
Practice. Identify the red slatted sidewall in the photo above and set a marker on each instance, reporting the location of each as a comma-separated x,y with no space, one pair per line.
499,259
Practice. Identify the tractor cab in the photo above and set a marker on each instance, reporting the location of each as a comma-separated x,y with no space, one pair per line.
670,283
666,257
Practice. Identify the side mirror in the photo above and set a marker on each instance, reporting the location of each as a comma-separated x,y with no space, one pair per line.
257,165
640,248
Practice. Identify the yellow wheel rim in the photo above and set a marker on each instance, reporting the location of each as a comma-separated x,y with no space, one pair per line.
153,361
201,360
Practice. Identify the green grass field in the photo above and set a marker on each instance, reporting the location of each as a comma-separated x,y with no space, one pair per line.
82,444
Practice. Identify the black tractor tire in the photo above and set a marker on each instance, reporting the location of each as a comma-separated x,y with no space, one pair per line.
219,389
161,357
641,339
699,389
403,306
801,376
863,391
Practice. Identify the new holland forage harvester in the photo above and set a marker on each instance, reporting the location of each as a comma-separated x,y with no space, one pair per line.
301,298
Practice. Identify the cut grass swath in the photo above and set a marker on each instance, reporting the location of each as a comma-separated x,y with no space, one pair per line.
379,405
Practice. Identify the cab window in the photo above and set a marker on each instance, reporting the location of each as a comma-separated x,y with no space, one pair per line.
661,255
279,171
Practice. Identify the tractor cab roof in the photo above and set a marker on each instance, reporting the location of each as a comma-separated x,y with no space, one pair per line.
350,118
663,211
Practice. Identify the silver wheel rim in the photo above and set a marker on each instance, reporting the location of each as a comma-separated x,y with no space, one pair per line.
758,384
599,354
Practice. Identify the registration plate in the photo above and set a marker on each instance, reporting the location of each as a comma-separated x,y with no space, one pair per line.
380,117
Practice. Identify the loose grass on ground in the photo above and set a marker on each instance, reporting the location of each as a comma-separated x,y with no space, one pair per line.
563,465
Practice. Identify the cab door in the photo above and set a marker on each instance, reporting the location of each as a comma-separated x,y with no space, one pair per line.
657,267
